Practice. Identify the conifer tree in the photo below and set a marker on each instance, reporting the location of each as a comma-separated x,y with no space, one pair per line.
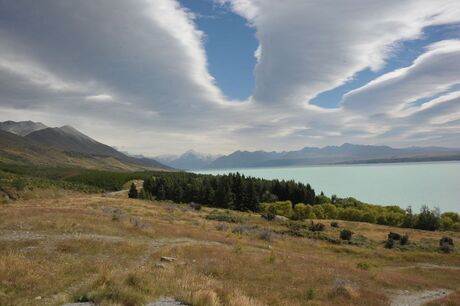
133,191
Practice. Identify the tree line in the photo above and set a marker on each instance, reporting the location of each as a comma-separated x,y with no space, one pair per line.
291,199
232,191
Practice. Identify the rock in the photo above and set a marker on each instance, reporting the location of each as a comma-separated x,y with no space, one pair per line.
160,266
346,288
167,259
38,298
166,302
280,218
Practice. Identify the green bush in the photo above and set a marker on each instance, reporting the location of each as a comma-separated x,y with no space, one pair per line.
346,234
281,208
363,265
302,212
318,211
428,219
224,217
19,184
330,211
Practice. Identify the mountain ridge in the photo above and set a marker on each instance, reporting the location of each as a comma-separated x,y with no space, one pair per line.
21,128
189,160
346,153
67,146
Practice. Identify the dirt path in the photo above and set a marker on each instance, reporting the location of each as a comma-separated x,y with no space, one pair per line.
114,193
407,298
423,265
26,236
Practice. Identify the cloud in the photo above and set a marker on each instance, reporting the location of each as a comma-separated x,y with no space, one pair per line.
313,46
140,68
433,72
99,98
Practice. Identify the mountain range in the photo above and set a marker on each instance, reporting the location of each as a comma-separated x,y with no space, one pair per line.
346,153
190,160
30,142
21,128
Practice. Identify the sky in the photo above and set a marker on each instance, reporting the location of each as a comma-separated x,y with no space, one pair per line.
164,76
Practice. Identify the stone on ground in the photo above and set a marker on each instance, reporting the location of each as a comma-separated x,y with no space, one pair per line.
166,302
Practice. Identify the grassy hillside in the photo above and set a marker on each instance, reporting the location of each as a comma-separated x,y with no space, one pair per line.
23,181
30,150
62,240
108,250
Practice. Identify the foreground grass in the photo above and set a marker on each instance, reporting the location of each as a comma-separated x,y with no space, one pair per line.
86,247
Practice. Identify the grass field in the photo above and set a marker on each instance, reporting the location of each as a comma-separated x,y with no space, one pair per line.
78,247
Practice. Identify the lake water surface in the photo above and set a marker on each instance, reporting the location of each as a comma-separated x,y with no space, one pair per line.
403,184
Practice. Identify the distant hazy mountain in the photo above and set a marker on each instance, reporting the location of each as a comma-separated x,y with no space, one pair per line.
346,153
67,146
189,160
21,128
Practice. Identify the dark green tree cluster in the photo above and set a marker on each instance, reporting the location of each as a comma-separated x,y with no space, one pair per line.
132,193
233,191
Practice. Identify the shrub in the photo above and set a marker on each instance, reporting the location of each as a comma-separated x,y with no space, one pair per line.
446,248
18,184
266,235
428,219
456,226
322,199
195,206
268,216
117,214
318,211
281,208
317,227
363,265
310,294
394,236
144,195
241,229
330,211
302,212
455,217
222,227
346,234
404,239
335,224
446,244
297,229
224,217
446,223
389,244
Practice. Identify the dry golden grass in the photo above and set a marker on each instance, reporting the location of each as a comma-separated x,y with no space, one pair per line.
108,249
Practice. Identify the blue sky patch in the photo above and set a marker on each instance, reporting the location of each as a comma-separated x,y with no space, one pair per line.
230,45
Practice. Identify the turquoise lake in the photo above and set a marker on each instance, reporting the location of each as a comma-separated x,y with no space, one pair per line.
435,184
